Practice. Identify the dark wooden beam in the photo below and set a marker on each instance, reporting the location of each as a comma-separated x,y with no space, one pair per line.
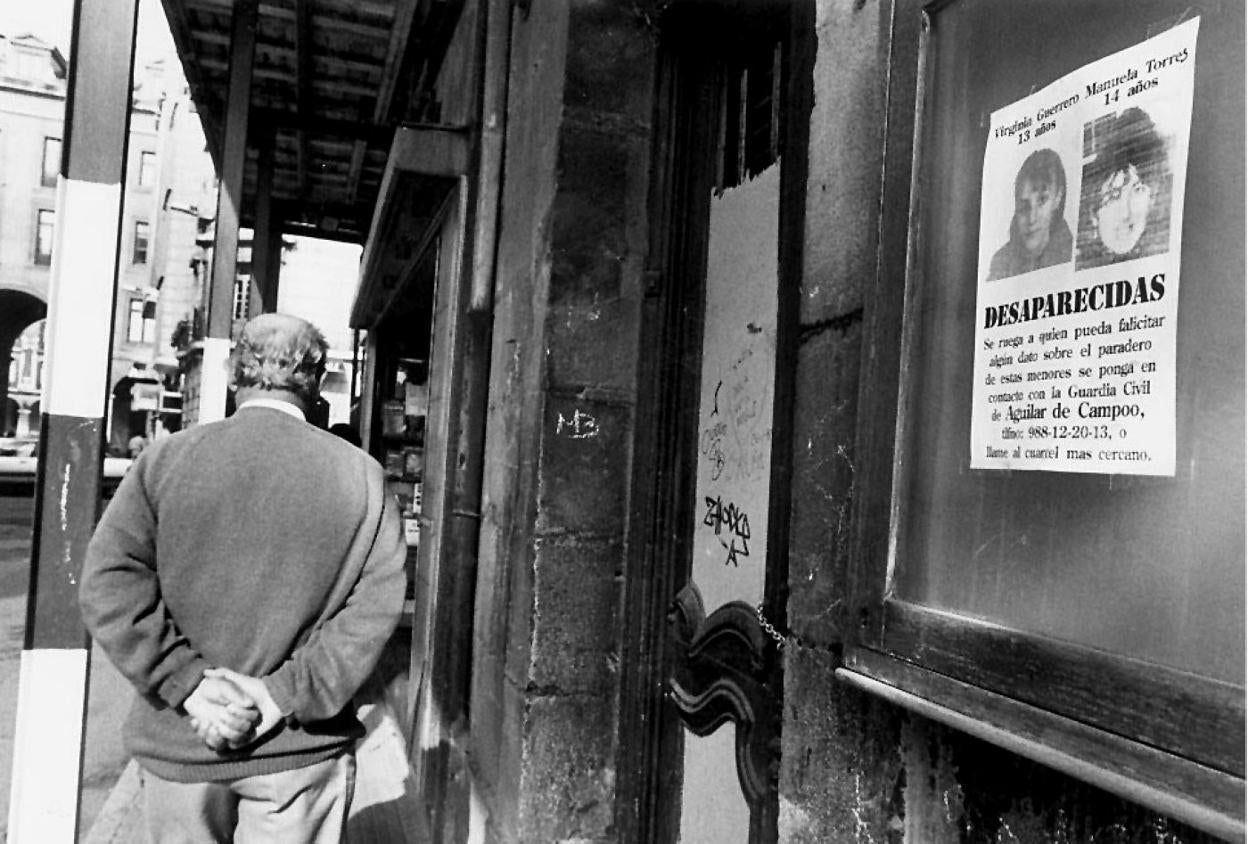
284,13
358,151
333,221
331,64
298,78
400,33
267,229
230,159
303,85
229,196
312,124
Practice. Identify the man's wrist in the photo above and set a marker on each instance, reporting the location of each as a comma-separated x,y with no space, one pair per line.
179,685
283,702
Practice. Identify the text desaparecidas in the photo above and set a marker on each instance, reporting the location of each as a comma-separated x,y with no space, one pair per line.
1098,297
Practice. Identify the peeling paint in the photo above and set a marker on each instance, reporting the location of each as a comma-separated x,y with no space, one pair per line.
862,829
64,501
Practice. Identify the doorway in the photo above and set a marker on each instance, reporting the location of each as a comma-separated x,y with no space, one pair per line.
706,592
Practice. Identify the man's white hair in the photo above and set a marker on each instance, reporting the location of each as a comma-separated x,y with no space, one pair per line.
280,352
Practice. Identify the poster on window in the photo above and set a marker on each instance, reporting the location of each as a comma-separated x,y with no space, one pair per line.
1079,254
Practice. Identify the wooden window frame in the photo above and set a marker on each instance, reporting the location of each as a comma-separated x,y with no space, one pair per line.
688,161
1161,737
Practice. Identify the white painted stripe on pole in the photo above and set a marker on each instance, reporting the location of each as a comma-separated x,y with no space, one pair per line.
80,301
47,746
214,379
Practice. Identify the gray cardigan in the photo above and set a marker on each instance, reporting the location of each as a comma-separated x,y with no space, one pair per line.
259,543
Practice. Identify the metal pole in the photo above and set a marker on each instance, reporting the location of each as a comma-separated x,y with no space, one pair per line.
51,708
214,375
353,396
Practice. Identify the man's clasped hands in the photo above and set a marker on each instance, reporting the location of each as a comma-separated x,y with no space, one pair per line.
230,710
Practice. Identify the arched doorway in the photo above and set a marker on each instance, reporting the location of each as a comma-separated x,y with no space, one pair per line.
21,359
8,424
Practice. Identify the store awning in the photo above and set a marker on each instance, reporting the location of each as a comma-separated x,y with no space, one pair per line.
422,170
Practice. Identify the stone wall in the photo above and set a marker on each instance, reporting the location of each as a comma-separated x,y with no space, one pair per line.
571,246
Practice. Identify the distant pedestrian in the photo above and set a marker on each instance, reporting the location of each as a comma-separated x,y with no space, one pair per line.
245,578
347,432
136,445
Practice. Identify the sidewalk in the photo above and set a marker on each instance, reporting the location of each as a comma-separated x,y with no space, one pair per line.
385,809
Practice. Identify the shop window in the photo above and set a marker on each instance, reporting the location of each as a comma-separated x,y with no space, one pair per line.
45,224
140,241
51,162
1051,537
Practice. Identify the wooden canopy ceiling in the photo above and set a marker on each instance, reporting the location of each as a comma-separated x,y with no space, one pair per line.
331,80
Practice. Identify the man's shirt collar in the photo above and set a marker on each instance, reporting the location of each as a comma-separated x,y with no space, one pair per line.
275,404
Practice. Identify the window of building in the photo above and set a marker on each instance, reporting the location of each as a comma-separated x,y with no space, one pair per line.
51,161
28,65
749,114
141,322
147,168
134,325
140,241
44,227
242,297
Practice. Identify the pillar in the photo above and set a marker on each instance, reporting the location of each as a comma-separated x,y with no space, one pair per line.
266,244
51,707
214,374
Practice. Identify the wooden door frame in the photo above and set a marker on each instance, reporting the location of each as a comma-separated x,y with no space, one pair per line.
659,540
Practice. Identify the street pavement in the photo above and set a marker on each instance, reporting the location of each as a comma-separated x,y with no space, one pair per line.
109,698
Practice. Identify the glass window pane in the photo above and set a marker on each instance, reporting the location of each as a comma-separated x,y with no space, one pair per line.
44,229
140,242
147,168
134,326
1148,567
51,161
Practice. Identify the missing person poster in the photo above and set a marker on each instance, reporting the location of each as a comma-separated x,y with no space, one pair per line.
1078,285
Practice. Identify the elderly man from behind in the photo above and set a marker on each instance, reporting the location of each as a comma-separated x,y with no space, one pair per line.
245,578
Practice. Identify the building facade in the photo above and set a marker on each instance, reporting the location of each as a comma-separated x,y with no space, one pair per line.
660,593
31,122
677,348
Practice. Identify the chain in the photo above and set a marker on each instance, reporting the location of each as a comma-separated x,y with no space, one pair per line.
769,628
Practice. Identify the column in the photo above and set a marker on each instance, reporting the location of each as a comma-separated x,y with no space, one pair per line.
51,708
214,376
266,243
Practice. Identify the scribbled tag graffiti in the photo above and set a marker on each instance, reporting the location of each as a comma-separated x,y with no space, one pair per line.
731,526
